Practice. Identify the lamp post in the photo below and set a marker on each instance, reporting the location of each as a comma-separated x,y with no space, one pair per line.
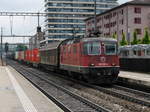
95,21
2,46
128,39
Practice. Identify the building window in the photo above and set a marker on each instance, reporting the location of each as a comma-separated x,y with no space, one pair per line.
114,14
122,11
137,20
88,23
99,19
111,24
99,27
137,10
122,21
139,31
110,16
122,32
114,23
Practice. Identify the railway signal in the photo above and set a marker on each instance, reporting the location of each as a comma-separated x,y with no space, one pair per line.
6,47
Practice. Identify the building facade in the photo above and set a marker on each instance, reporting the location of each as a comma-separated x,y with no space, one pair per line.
65,18
126,18
35,41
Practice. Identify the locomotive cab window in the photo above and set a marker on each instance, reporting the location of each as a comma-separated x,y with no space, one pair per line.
148,52
110,49
124,53
92,48
141,52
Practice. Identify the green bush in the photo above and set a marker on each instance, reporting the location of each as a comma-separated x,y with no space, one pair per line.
114,36
135,41
123,41
146,39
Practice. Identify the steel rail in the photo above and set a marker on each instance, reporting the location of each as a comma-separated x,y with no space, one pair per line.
133,91
114,93
117,94
58,103
87,102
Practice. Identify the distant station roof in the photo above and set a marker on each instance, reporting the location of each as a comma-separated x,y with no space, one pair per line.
140,46
50,46
99,39
134,2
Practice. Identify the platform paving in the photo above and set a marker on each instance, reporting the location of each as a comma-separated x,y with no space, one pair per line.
18,95
135,77
4,63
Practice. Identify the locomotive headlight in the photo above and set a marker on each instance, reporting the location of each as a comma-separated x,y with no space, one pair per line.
92,64
113,64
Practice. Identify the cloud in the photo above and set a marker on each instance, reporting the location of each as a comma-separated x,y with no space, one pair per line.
21,5
123,1
21,25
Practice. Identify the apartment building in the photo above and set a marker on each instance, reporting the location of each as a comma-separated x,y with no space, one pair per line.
65,18
126,18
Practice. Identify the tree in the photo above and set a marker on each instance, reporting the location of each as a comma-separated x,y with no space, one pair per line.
21,47
139,41
123,41
114,36
146,39
135,41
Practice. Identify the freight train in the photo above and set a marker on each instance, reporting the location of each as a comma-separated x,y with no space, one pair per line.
93,59
135,57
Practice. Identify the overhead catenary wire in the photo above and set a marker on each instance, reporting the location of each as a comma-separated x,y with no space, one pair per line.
23,26
11,24
33,30
11,18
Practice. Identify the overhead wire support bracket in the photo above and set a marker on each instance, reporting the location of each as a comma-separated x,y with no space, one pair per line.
17,36
22,14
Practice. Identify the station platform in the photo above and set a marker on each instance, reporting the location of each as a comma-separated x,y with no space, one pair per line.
135,78
2,63
18,95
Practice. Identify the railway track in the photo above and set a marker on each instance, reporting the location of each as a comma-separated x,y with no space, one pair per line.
128,94
133,86
67,100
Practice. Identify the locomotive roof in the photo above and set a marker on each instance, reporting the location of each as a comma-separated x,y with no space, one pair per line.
88,39
135,47
56,44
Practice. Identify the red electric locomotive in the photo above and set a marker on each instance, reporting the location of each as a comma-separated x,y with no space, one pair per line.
95,59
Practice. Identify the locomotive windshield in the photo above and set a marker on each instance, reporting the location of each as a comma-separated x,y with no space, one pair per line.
92,48
110,49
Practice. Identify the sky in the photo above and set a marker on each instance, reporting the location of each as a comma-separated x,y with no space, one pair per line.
22,25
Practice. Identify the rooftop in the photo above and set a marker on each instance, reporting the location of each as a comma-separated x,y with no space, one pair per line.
134,2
